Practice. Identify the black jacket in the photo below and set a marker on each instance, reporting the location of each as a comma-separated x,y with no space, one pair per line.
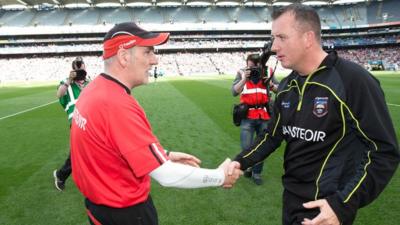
341,144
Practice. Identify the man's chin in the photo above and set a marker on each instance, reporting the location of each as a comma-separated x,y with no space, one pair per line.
286,65
146,79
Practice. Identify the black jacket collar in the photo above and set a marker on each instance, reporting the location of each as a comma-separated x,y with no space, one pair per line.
108,77
330,60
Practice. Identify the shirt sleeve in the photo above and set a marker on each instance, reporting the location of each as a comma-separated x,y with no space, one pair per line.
264,145
134,140
380,155
63,99
238,78
172,174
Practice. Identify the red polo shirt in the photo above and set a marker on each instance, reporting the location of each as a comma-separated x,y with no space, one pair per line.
112,146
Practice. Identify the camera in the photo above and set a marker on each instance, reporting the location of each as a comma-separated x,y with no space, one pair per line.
259,60
266,53
77,65
80,74
255,72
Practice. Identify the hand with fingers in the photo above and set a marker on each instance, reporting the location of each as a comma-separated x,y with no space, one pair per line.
245,74
232,172
326,216
72,76
184,158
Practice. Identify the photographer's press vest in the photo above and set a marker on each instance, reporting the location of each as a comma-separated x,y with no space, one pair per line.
69,99
255,95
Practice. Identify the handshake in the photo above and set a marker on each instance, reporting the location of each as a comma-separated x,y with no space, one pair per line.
232,172
230,169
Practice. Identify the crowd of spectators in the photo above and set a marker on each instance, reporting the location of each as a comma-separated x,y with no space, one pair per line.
172,44
198,43
43,69
389,58
176,64
361,40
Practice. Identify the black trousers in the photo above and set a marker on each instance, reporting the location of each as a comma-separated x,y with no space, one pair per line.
141,214
65,171
293,211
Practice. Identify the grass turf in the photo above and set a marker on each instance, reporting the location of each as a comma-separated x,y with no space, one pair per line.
191,115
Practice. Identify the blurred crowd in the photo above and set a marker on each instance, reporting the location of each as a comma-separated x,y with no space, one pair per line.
172,44
182,64
197,43
388,57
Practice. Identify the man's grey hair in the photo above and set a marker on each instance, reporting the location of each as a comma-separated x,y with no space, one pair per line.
108,62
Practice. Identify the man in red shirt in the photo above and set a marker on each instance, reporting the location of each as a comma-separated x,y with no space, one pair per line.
114,151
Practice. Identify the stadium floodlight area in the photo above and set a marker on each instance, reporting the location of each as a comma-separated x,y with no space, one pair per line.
47,19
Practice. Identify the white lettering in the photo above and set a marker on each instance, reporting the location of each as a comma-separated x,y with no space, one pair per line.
80,121
304,134
309,134
127,44
285,130
321,136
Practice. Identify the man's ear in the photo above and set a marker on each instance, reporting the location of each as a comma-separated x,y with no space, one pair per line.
123,57
309,37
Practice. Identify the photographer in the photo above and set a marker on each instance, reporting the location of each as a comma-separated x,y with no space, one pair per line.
254,93
68,92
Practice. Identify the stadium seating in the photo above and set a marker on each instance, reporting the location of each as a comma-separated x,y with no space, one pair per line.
202,50
340,16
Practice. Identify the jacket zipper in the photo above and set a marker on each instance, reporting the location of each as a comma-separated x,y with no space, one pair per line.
304,87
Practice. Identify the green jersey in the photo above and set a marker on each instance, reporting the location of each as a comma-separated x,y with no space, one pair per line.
70,97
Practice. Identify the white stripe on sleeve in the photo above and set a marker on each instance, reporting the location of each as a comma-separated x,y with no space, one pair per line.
158,152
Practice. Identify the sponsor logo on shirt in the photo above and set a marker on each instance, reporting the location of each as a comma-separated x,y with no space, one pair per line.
320,106
285,105
304,134
80,121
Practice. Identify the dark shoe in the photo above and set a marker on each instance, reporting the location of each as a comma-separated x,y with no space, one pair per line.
247,173
59,184
257,179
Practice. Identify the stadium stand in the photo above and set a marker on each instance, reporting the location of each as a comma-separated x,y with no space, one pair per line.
83,17
204,40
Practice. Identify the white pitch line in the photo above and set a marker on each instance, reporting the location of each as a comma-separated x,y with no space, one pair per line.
27,110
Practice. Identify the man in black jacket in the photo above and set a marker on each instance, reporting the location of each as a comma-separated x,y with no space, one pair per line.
341,147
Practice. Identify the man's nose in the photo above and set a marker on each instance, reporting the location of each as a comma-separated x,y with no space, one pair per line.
274,46
154,60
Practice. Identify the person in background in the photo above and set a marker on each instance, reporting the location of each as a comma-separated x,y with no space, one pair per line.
250,84
68,92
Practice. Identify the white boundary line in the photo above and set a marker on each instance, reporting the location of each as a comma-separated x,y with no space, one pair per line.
27,110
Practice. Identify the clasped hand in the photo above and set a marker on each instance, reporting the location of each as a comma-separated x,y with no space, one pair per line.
232,172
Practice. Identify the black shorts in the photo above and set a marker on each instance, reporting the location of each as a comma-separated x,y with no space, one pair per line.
141,214
293,212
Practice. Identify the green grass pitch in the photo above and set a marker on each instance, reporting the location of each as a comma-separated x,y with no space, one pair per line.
190,115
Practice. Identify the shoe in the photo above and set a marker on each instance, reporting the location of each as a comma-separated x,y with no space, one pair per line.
257,179
59,184
247,173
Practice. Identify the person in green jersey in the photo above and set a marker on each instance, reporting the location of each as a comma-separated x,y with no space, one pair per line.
68,92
